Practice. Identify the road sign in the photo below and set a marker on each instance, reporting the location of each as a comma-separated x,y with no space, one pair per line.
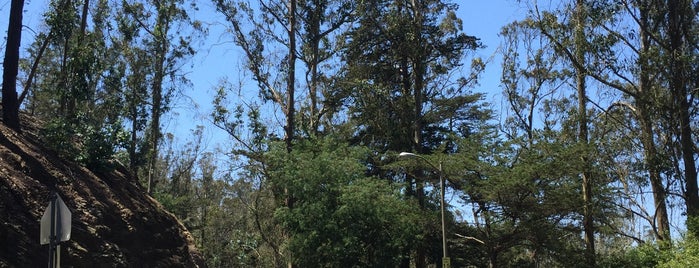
55,228
446,262
57,218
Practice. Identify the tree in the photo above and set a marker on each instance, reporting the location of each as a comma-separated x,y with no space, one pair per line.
276,85
345,218
580,46
321,21
681,17
621,128
10,104
165,37
515,191
651,78
403,87
523,196
72,87
288,33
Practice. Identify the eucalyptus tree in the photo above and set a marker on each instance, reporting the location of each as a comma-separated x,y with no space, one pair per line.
73,89
516,187
612,59
640,51
279,41
680,48
134,61
579,42
166,32
321,23
276,85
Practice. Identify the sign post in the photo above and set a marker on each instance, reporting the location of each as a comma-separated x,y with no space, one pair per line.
55,228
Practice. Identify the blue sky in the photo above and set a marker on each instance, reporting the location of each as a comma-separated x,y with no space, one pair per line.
218,58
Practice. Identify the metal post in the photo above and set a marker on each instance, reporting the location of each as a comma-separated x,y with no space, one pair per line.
52,234
446,263
58,234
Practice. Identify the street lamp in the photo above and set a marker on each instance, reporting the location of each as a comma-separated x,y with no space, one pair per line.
446,262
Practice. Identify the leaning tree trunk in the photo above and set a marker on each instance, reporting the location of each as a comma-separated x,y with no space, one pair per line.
10,105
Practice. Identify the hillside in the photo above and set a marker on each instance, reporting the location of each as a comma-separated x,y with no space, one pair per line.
114,223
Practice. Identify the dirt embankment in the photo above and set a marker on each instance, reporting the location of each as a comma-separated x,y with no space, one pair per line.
114,223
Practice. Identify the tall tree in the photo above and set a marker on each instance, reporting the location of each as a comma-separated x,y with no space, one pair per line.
10,104
291,37
615,61
643,109
642,86
291,81
516,178
403,86
275,84
320,22
580,46
633,77
72,87
167,33
680,19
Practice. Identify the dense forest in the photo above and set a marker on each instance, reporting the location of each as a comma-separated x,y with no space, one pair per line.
358,135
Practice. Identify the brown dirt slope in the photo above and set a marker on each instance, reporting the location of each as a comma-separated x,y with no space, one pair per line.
114,223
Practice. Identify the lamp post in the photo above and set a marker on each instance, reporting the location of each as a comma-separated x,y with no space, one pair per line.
446,262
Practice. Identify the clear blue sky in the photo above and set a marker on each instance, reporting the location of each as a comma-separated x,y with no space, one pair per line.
218,58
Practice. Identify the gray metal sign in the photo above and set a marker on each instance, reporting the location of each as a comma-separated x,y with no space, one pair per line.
55,228
57,213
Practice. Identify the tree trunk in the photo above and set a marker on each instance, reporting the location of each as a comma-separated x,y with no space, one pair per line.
10,105
161,49
588,221
83,18
35,66
418,83
678,21
315,61
291,79
643,101
290,102
154,129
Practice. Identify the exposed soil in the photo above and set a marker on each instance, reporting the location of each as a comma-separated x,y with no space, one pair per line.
114,222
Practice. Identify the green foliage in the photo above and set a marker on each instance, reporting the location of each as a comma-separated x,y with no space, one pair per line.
90,144
376,224
525,196
693,226
684,254
340,217
179,204
645,255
